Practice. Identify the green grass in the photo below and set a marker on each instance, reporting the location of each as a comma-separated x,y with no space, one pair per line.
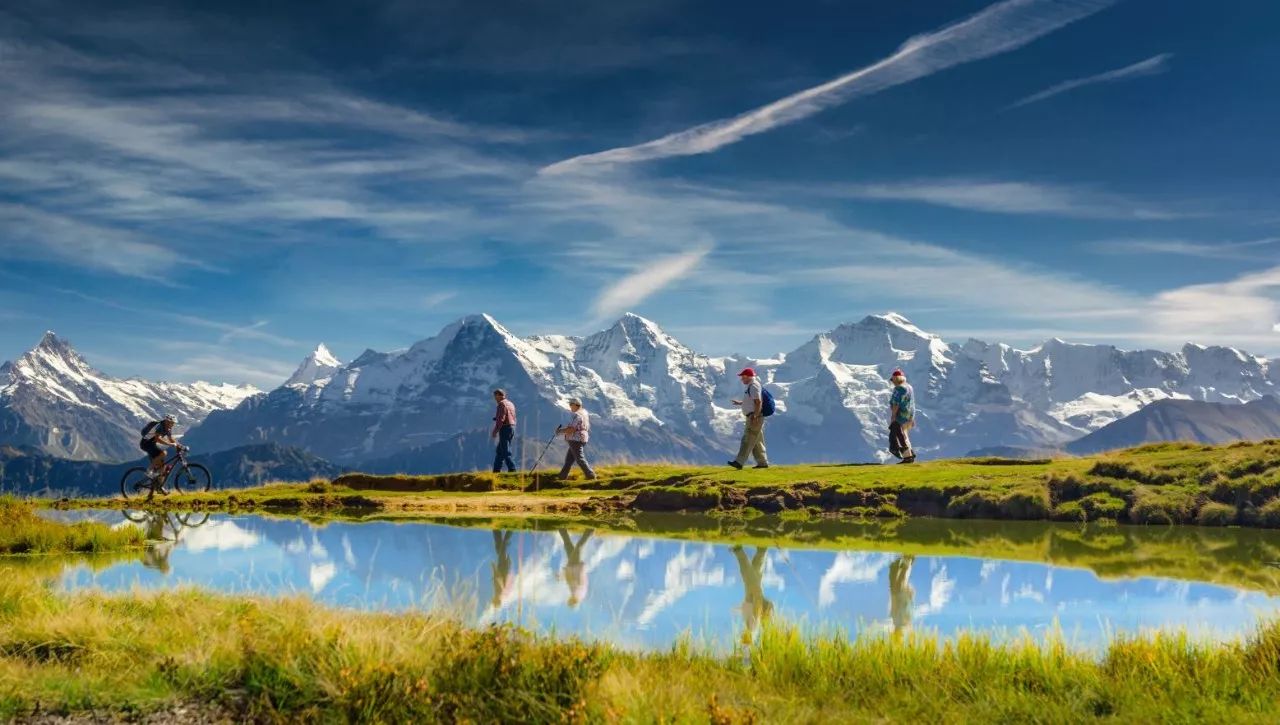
291,660
1163,484
22,531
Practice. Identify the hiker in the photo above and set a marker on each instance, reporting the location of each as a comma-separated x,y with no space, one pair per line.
504,431
575,571
902,417
576,434
753,410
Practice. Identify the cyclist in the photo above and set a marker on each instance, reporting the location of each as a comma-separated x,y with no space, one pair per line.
155,435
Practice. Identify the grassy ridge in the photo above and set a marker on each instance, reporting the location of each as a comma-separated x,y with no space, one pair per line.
24,532
1159,484
292,660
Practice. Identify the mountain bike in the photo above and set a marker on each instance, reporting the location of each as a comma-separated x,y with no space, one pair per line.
187,477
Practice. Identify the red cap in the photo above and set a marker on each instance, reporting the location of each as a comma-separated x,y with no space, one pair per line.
748,372
898,374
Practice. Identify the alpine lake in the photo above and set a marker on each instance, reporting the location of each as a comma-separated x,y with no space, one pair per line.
648,582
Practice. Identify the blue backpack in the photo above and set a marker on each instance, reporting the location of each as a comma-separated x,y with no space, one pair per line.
767,406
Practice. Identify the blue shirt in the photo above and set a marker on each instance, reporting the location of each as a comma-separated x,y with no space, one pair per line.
904,398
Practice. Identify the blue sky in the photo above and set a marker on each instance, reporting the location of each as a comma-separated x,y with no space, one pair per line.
200,192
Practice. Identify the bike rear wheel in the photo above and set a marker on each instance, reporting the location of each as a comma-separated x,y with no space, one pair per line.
193,478
135,483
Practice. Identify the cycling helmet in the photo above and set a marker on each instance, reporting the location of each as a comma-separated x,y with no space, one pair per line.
170,419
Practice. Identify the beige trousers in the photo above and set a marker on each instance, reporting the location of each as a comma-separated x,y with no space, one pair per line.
753,443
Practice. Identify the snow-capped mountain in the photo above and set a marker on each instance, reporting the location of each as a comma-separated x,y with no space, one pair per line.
428,407
52,400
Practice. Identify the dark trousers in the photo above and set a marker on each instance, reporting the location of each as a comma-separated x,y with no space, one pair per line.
899,444
577,454
503,455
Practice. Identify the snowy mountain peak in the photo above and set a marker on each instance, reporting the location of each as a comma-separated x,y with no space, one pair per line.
893,319
319,365
52,345
323,356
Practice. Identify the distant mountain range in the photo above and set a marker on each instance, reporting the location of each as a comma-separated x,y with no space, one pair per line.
52,400
427,408
1186,420
26,471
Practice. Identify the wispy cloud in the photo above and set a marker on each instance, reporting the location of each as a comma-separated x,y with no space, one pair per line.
435,299
229,332
997,29
1241,251
635,287
1010,197
32,233
1154,65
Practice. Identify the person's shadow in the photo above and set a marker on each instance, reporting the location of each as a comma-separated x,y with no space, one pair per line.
756,609
502,578
901,595
575,571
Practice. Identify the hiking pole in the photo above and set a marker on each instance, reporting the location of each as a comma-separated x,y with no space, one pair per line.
543,454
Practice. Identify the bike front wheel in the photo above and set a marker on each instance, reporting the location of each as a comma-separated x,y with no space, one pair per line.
135,483
193,478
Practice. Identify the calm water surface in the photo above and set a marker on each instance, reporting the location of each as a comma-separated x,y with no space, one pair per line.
644,592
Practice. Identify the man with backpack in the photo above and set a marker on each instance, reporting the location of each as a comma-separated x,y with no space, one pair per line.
757,404
902,417
155,435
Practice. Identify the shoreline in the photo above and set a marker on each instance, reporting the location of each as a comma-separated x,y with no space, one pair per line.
1234,485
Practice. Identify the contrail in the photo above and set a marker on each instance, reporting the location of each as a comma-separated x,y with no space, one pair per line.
997,29
1149,67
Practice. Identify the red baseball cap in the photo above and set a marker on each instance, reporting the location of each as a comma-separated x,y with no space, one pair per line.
898,374
748,372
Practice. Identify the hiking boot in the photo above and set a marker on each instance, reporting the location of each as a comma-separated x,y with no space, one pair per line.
736,465
761,465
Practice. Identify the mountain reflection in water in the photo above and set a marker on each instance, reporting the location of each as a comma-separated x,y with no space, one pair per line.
645,592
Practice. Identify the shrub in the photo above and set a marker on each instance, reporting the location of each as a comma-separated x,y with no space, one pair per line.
1216,514
1246,467
1018,503
1162,507
1131,472
1093,507
1268,514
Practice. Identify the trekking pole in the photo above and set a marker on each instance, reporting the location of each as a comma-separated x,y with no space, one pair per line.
543,454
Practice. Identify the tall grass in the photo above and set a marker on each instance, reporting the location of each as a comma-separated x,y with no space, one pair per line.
292,660
22,531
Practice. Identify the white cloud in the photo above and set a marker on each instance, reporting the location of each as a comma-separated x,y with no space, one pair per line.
997,29
1229,312
1010,197
632,289
1154,65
